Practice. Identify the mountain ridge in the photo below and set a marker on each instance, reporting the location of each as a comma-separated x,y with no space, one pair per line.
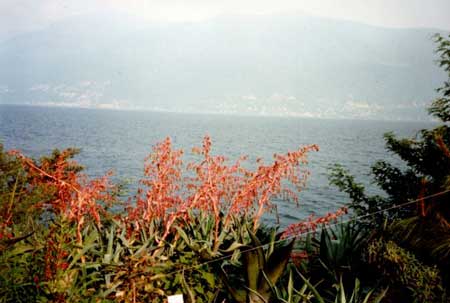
278,65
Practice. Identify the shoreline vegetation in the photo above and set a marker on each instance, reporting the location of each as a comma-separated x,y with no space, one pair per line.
200,234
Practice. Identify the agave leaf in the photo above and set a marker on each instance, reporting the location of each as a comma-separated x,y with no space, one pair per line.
128,243
290,286
92,280
253,267
109,251
141,250
280,293
222,235
21,249
256,297
381,296
271,247
258,247
108,255
302,290
342,298
276,264
206,227
324,245
355,293
239,295
268,288
312,288
187,289
88,245
280,299
183,235
235,245
111,289
118,252
253,237
367,297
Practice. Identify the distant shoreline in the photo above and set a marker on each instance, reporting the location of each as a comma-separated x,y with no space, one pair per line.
250,115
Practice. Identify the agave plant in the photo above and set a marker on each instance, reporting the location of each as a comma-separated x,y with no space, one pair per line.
262,267
340,248
198,233
342,296
289,294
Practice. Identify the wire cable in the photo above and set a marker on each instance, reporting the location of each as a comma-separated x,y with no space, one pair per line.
357,218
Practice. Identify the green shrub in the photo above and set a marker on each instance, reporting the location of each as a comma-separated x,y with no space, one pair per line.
401,267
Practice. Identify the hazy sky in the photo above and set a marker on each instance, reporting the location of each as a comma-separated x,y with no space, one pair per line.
23,15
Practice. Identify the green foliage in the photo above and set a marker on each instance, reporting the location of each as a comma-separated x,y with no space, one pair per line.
422,227
415,234
25,229
138,267
309,293
59,241
335,257
289,294
426,156
441,107
14,195
198,233
262,267
357,296
17,269
341,248
403,270
427,164
360,202
10,171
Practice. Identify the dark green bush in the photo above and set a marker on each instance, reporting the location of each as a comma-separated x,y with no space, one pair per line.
400,268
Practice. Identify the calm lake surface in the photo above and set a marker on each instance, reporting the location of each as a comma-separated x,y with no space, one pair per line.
120,140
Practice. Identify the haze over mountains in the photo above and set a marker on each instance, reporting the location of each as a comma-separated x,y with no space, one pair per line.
288,64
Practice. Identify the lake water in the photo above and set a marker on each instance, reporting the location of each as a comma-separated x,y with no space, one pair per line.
120,140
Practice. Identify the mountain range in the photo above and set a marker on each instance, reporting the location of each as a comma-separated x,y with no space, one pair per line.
285,64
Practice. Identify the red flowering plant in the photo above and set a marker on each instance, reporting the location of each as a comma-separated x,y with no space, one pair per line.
310,226
214,186
198,206
163,175
307,230
60,202
69,194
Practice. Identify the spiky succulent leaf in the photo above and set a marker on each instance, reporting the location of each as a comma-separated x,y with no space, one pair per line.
252,264
276,264
239,295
